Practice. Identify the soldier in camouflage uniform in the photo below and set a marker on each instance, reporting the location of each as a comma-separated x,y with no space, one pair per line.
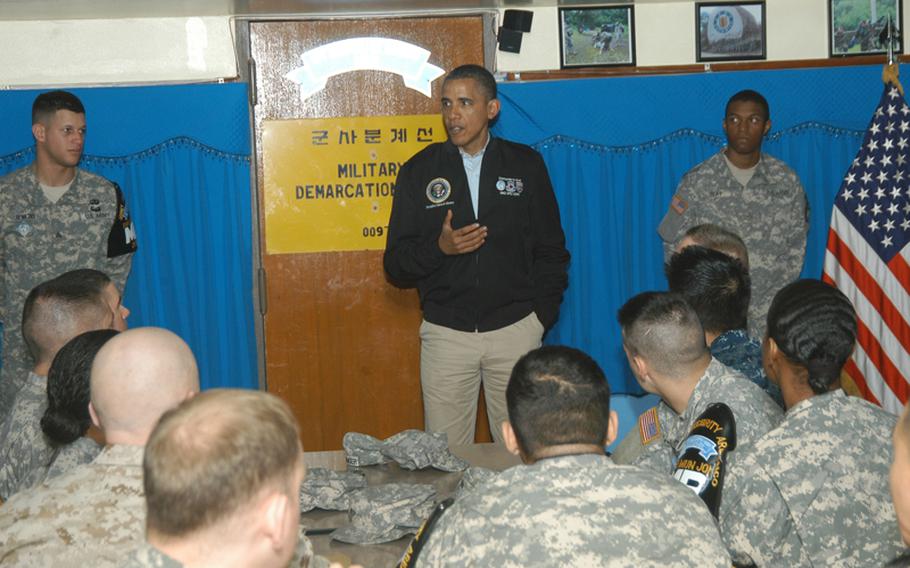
54,312
94,514
570,505
227,494
814,491
717,286
665,344
54,217
900,483
66,422
752,194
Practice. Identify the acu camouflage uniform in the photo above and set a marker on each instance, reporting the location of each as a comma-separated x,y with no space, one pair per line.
578,510
147,556
814,491
23,445
754,411
92,516
89,227
735,349
64,458
770,214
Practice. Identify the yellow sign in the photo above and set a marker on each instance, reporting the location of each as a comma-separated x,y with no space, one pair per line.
329,182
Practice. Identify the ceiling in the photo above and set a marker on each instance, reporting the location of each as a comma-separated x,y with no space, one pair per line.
114,9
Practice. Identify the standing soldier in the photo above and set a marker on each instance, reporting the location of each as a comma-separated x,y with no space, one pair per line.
54,217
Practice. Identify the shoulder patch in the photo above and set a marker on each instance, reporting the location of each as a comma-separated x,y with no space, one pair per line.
649,426
679,205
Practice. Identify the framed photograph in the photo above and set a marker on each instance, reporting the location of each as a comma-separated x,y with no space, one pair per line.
596,36
730,31
858,27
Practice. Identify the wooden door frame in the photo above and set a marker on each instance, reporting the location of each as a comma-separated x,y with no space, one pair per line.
246,74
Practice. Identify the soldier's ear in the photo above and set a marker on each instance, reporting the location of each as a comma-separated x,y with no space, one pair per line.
39,131
94,415
767,127
612,428
510,439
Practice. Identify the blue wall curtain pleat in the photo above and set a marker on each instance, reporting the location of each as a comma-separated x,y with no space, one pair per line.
193,271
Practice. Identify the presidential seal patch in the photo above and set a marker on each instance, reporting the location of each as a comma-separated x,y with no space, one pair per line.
439,190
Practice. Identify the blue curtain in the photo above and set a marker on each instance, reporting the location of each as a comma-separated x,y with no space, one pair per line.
187,184
617,147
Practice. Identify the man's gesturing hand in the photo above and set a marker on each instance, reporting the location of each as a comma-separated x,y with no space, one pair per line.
463,240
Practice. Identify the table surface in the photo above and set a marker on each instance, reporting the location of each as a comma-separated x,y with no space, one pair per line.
491,456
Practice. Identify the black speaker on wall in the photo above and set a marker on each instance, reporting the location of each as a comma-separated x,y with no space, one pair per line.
514,24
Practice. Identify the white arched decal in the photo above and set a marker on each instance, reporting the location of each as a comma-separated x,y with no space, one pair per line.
363,53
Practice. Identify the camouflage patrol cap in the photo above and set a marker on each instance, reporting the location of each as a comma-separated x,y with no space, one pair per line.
328,489
361,450
384,513
411,449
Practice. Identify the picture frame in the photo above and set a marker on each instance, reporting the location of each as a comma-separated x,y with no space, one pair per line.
730,31
597,36
855,26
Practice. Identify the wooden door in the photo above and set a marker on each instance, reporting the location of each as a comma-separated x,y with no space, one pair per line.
341,344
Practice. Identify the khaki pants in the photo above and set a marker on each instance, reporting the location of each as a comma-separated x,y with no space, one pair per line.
452,366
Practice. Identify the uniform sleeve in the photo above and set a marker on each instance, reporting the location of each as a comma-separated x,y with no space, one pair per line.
409,256
794,253
551,258
121,242
680,215
754,519
444,545
657,456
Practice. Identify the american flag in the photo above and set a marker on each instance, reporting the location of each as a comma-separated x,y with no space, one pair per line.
867,256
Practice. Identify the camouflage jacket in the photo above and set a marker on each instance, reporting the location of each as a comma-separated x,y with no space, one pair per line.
147,556
23,445
64,458
89,227
742,353
92,516
754,411
770,214
814,491
579,510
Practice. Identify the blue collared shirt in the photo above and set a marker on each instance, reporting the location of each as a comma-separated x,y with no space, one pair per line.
472,170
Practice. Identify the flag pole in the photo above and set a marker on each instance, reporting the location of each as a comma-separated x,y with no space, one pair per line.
891,71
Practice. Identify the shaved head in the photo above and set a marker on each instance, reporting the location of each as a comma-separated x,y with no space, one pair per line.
138,376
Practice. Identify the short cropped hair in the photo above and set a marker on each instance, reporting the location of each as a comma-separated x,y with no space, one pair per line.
213,454
663,329
717,287
814,325
717,238
480,74
749,96
59,309
67,418
558,395
46,104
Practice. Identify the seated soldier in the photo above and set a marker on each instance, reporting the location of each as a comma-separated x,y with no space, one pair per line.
222,476
813,491
665,345
717,238
94,514
717,287
569,504
900,483
66,422
54,312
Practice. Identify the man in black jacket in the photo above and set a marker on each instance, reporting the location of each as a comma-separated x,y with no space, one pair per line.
475,225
